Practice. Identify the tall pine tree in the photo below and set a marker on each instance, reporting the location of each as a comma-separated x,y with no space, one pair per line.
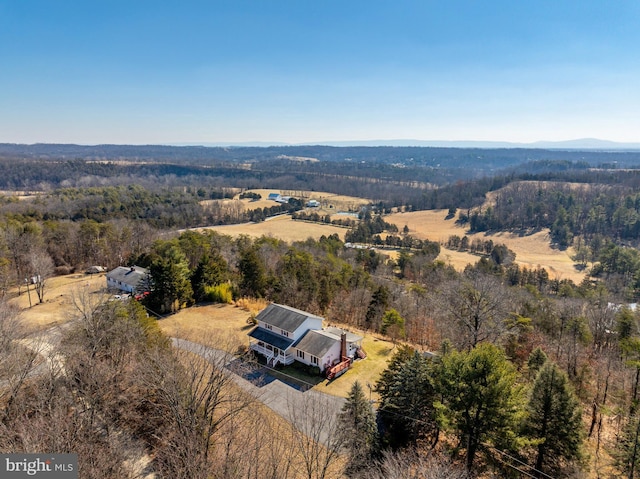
479,398
359,429
554,420
406,405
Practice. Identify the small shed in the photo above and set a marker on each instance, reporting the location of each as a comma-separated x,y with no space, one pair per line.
95,269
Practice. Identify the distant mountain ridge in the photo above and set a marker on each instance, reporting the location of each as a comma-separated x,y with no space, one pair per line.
576,144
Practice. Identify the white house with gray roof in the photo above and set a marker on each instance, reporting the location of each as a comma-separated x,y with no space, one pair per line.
284,335
130,279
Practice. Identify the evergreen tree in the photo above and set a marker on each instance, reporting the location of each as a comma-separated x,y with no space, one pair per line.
626,324
211,270
479,398
253,281
554,420
171,288
359,428
401,356
537,358
406,405
393,325
377,307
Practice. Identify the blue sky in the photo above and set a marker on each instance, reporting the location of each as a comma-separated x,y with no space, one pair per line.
138,72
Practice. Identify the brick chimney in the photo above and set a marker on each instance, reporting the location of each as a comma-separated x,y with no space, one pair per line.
343,346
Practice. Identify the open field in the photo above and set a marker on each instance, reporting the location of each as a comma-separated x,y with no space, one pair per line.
220,326
58,299
281,227
531,250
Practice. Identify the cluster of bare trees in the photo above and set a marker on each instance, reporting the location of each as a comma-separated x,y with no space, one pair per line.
109,387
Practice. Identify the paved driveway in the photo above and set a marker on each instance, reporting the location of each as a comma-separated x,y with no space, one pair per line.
276,394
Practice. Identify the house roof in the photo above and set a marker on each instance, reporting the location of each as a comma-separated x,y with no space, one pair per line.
315,343
337,333
284,317
128,275
273,339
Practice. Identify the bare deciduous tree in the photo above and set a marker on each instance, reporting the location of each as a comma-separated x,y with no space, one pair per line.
479,305
315,428
195,391
410,464
41,269
16,360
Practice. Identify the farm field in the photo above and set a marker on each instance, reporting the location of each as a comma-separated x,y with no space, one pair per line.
281,227
531,251
330,202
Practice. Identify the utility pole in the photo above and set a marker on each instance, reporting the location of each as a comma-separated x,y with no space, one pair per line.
26,280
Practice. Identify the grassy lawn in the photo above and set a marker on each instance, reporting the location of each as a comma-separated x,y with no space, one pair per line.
366,371
220,326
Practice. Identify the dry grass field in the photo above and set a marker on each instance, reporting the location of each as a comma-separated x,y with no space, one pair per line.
220,326
57,307
531,251
281,227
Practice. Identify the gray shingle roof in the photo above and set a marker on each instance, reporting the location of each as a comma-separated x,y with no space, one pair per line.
273,339
131,276
284,317
315,343
337,333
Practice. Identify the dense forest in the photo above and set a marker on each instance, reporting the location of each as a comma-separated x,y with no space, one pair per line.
525,370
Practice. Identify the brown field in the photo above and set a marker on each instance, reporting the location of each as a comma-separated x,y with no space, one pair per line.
57,307
281,227
531,250
220,326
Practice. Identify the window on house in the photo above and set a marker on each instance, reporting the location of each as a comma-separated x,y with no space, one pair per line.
314,360
284,333
300,354
269,327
